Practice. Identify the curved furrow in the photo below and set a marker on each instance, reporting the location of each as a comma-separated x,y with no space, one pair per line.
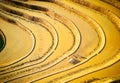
38,58
29,48
99,30
116,55
57,16
75,40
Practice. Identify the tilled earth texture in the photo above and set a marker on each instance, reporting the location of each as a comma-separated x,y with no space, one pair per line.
59,41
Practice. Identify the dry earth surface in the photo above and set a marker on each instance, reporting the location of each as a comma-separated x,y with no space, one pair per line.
59,41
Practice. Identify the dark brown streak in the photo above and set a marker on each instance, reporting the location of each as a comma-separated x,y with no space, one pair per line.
7,19
29,6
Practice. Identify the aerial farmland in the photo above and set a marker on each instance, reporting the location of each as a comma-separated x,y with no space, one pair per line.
59,41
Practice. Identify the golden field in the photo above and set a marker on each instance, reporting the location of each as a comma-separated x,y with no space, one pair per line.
59,41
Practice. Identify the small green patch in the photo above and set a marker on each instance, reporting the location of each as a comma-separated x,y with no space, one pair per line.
1,42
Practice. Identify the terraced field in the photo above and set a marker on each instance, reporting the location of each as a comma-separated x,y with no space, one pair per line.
59,41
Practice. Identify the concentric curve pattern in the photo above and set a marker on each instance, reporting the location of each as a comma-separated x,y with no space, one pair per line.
59,41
